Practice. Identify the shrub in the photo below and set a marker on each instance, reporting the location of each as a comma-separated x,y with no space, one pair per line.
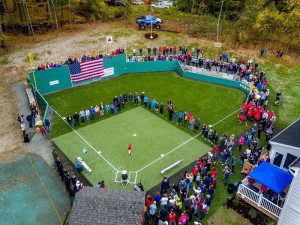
4,61
235,201
252,213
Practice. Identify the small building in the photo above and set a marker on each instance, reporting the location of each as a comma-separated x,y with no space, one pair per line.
291,210
285,146
96,206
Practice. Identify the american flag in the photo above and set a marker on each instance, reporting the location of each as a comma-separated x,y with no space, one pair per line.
86,70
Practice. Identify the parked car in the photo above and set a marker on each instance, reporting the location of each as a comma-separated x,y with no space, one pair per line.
162,4
146,21
137,2
115,2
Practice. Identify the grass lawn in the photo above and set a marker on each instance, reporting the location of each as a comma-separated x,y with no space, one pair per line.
153,137
232,217
205,100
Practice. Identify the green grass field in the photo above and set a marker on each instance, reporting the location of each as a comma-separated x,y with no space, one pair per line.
212,103
153,137
205,100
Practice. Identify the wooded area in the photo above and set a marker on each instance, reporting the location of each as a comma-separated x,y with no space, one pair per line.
242,21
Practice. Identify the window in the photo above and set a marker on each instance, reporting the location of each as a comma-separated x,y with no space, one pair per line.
277,160
289,159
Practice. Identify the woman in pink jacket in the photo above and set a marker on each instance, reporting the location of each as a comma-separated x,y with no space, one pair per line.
241,142
183,219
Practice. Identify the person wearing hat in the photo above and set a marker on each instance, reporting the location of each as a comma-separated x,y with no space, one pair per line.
124,178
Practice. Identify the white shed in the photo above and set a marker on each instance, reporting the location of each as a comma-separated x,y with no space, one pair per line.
285,146
290,213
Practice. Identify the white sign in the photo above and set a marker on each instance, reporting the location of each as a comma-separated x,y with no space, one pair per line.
218,44
109,40
54,82
109,71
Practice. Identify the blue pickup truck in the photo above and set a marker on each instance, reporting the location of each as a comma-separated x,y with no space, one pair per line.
147,21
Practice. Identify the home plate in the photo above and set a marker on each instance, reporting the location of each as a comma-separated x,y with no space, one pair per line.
134,135
99,152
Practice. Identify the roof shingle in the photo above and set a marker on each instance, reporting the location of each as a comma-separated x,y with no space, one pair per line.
97,206
290,136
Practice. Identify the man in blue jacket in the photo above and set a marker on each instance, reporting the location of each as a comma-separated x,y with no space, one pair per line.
92,112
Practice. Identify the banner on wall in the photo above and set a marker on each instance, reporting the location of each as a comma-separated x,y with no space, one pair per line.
109,72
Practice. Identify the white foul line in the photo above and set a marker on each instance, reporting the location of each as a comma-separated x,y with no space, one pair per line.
226,117
169,152
86,141
182,144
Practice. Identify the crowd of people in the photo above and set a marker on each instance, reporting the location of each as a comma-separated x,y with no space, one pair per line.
84,58
71,181
190,198
32,122
186,200
245,69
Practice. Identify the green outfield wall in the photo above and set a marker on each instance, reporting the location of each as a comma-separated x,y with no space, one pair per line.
57,79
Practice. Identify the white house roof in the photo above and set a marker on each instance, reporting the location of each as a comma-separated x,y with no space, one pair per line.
289,136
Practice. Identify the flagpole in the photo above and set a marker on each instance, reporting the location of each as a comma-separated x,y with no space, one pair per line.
30,56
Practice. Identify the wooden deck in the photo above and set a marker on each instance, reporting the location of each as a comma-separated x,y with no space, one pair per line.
257,207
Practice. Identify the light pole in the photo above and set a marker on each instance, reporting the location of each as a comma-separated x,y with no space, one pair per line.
151,9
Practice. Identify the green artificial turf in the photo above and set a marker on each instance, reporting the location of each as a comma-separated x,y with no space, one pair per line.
153,137
208,101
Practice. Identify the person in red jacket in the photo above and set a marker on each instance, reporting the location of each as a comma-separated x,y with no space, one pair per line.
172,218
214,173
195,171
129,149
43,131
159,49
249,113
257,116
174,50
216,152
149,201
164,49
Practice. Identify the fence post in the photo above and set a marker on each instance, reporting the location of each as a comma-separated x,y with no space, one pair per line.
240,191
259,200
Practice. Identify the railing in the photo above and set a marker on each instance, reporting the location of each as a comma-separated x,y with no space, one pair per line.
248,193
43,101
213,72
270,207
258,199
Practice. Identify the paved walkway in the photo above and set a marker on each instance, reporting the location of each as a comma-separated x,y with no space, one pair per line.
38,145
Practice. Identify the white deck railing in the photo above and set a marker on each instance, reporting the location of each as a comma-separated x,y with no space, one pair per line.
270,207
258,199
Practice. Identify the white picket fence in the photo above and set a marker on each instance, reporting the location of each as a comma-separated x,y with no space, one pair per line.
258,199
